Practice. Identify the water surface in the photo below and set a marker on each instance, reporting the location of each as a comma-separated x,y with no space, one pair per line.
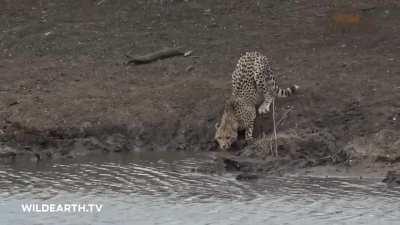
163,189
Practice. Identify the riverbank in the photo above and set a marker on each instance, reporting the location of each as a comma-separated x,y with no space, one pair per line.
67,92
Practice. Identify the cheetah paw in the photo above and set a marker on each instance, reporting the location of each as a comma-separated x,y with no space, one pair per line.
264,108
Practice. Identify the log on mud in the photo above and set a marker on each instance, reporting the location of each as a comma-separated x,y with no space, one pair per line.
234,163
151,57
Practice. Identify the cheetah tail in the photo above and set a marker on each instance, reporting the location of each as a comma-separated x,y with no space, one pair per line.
283,93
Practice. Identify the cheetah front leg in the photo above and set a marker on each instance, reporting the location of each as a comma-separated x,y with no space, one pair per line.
249,124
249,132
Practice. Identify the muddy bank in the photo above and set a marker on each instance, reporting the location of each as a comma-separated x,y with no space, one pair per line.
315,153
66,91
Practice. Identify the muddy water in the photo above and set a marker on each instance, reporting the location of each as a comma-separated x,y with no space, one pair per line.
165,189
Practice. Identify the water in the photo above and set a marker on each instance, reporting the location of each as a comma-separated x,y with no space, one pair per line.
163,189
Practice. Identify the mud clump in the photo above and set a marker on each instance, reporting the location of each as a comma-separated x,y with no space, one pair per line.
382,146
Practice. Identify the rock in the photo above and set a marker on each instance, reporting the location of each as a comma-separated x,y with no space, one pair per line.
234,163
246,177
392,178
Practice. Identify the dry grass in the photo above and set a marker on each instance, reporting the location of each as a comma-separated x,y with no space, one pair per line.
274,151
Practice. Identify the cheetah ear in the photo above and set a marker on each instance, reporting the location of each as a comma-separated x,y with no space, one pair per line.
216,125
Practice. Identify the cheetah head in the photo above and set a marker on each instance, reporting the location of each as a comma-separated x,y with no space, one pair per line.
226,132
225,136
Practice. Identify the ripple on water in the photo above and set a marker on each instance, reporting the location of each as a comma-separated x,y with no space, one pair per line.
164,187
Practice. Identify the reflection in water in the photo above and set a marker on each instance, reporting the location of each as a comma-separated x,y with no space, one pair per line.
156,189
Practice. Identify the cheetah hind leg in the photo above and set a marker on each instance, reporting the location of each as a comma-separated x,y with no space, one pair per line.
265,106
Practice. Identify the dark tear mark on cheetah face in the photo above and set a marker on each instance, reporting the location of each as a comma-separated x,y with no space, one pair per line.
227,131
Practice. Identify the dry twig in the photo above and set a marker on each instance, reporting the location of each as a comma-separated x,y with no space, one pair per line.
275,150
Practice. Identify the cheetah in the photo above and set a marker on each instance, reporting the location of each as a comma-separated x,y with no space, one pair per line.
252,75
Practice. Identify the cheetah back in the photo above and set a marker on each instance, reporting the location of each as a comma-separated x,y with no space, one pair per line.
244,76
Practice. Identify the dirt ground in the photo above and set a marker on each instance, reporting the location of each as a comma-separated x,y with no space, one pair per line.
66,91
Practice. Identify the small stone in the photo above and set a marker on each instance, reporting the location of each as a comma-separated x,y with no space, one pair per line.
188,53
247,176
189,68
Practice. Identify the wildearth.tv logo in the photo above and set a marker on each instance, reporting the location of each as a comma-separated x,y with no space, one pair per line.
63,208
